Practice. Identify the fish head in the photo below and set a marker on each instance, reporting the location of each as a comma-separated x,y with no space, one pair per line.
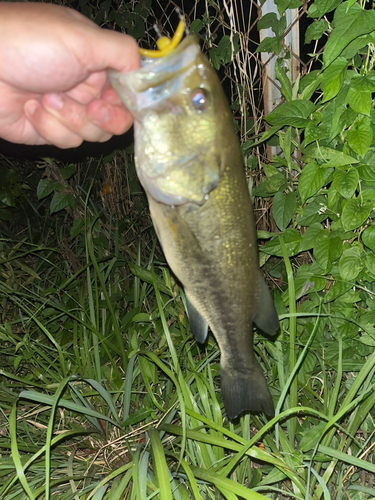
181,124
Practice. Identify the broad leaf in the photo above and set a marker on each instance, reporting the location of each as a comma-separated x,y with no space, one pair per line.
283,208
315,30
292,240
360,94
312,179
333,78
321,7
350,264
314,212
354,214
368,237
333,157
46,187
348,24
293,113
59,201
310,236
346,182
360,135
327,249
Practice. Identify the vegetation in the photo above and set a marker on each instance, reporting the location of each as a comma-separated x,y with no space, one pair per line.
103,392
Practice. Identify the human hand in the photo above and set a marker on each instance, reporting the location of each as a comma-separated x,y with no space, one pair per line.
53,83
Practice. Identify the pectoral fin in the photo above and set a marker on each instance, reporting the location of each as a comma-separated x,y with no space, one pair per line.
198,325
266,317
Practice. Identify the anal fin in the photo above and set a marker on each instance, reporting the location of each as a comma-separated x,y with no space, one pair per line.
266,316
198,325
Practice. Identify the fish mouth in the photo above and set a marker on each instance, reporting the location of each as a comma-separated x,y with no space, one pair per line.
157,79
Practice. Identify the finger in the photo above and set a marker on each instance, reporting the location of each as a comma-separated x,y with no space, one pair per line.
114,50
72,115
115,120
49,129
90,88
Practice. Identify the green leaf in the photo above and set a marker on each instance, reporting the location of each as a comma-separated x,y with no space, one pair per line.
270,20
68,171
160,465
309,84
282,76
283,5
367,170
370,265
350,264
315,211
315,30
368,237
338,289
137,28
146,275
314,132
368,197
310,236
270,44
346,182
7,198
354,214
360,94
283,208
59,201
333,157
360,135
312,179
292,240
76,228
327,249
293,113
271,186
224,49
321,7
196,26
348,24
367,322
356,45
214,58
312,437
45,399
333,78
46,187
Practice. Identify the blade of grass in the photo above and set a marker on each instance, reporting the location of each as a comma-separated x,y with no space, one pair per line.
160,465
181,388
15,454
293,394
49,400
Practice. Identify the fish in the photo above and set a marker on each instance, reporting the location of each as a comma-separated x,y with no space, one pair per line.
189,162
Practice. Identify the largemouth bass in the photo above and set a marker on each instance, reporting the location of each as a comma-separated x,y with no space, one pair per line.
189,162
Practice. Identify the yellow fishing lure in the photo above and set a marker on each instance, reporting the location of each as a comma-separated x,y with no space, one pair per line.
164,44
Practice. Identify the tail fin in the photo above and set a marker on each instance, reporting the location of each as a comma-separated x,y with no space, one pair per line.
245,390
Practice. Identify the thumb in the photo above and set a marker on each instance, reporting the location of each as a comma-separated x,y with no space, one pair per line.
116,51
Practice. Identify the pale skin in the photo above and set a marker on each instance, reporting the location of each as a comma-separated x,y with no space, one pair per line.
53,83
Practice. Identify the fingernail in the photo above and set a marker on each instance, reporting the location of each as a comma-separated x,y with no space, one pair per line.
53,101
30,107
101,114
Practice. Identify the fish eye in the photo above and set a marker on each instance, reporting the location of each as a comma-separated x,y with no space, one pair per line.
199,99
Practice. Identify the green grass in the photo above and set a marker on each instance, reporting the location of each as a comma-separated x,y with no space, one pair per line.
105,395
